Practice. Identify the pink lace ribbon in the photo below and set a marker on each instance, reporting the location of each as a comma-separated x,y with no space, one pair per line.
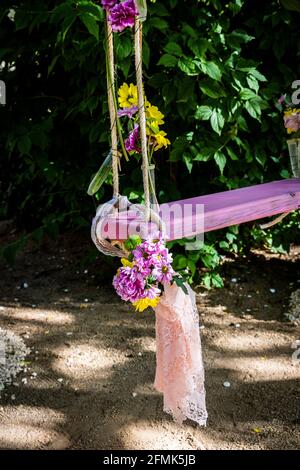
179,366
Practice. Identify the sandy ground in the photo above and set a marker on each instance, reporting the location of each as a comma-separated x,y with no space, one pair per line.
94,358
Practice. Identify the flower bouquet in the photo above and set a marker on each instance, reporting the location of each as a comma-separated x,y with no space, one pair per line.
144,273
292,124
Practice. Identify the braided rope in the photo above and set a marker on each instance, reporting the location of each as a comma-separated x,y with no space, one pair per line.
141,110
142,115
112,108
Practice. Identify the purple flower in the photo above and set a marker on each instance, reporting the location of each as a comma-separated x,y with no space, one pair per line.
152,292
153,259
281,100
292,122
122,15
108,4
130,112
129,284
163,273
131,143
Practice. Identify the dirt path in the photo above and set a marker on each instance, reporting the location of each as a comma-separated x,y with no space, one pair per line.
94,359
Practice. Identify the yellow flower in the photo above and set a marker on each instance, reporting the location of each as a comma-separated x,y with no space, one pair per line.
291,111
153,114
142,304
127,95
161,140
152,129
126,263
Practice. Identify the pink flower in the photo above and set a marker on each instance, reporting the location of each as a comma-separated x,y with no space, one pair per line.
129,112
281,100
150,266
122,15
163,273
131,143
129,284
152,292
292,122
108,4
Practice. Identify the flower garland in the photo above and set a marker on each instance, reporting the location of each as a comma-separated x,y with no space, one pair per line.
157,138
148,265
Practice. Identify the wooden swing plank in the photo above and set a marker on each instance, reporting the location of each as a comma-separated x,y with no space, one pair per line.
234,207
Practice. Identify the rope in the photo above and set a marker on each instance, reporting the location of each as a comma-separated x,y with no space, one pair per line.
112,109
275,221
142,115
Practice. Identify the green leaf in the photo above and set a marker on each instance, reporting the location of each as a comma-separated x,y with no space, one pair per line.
212,89
206,280
173,48
220,160
91,24
198,46
158,23
247,94
203,112
123,47
212,70
293,5
253,83
24,145
60,12
259,76
180,282
132,242
188,161
180,262
67,23
216,280
167,60
100,176
217,121
231,154
188,66
253,108
224,244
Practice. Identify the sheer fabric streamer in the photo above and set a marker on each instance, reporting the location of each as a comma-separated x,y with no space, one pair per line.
179,366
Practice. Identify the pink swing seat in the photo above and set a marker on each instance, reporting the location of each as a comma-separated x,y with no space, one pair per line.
220,210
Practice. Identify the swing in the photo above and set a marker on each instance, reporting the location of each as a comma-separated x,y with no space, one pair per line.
220,210
179,367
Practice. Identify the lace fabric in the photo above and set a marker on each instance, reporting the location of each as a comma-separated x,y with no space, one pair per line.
179,366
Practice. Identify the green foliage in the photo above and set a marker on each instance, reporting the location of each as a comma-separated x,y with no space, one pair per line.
216,70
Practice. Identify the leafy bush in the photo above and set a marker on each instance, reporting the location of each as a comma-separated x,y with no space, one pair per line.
216,69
